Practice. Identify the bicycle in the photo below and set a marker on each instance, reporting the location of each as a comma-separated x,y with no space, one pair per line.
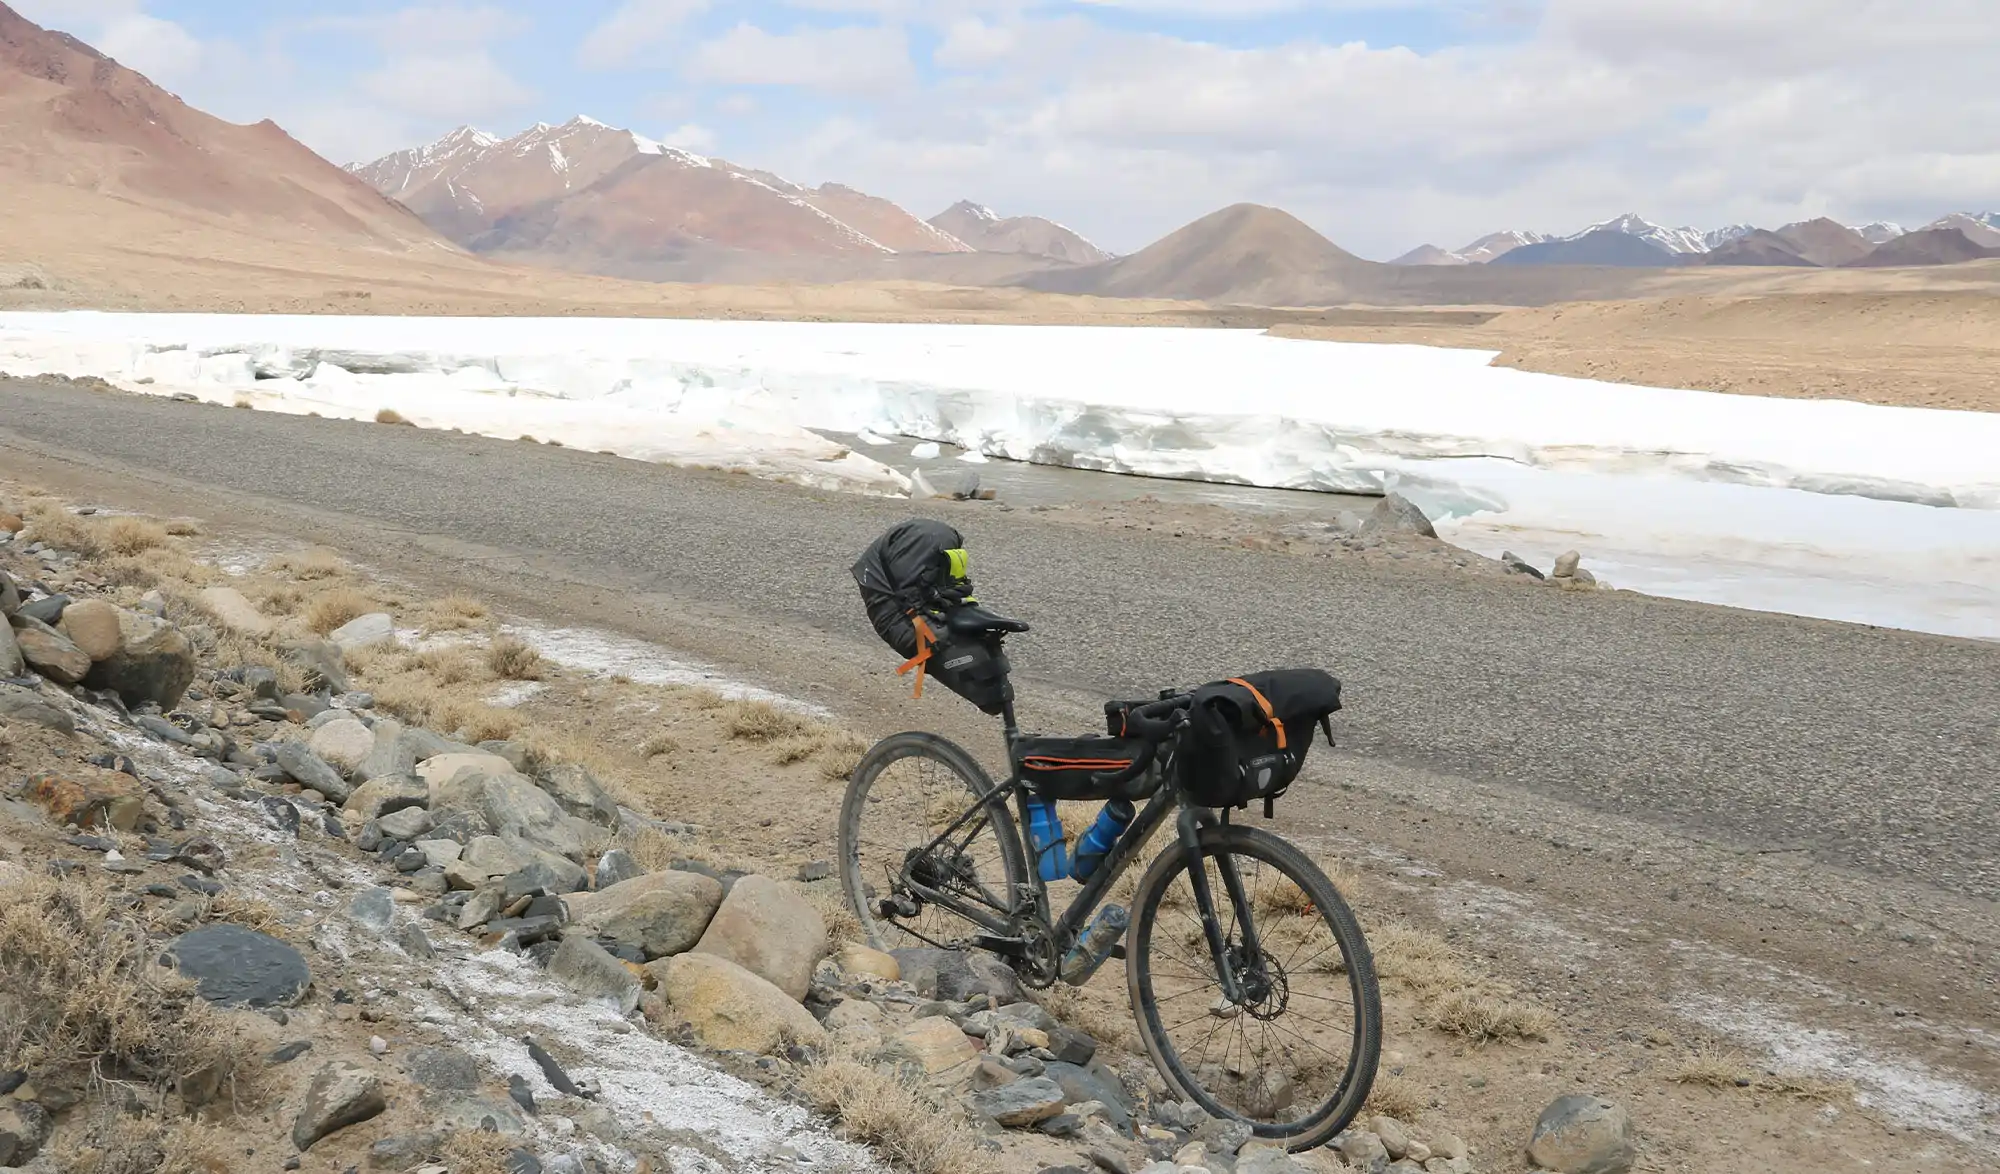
1293,1016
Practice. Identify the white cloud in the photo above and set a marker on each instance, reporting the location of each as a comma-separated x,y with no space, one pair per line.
690,136
428,26
454,87
635,28
160,49
853,59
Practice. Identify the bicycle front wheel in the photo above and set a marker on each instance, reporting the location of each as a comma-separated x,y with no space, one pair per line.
908,792
1293,1052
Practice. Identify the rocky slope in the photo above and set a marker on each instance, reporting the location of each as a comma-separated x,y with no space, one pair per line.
989,232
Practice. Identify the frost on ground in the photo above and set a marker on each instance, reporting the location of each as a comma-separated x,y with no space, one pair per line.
1840,510
592,651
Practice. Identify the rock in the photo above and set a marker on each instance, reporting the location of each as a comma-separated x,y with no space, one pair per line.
858,1021
364,632
345,744
1224,1137
860,960
615,867
374,909
237,967
394,753
411,939
1362,1150
101,800
234,612
319,659
482,1114
660,914
1394,1135
1094,1084
24,1127
1071,1046
49,652
731,1008
340,1095
10,594
48,610
384,794
957,975
154,662
311,771
21,705
443,1069
1583,1135
1022,1103
1583,578
1448,1146
1268,1092
439,770
483,906
1516,565
586,968
934,1043
513,806
404,1151
92,625
407,824
1566,564
770,931
1268,1160
579,794
439,853
1396,514
12,663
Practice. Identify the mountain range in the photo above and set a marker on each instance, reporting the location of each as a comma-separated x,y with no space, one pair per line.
1632,241
592,196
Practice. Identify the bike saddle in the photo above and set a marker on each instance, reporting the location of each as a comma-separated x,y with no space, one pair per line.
974,620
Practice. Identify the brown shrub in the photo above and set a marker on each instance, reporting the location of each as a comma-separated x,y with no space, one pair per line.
1730,1070
1397,1097
129,535
390,416
511,659
760,721
309,566
332,608
907,1122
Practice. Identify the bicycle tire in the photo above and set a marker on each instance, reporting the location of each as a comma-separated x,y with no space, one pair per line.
884,933
1351,1092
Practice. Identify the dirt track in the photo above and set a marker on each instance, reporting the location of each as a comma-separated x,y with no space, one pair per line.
1689,803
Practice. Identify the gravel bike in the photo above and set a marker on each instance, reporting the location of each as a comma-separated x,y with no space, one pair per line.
1249,977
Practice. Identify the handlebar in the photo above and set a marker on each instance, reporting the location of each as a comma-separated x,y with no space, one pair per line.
1151,724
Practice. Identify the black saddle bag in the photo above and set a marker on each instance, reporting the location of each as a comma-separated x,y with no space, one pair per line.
912,578
1247,737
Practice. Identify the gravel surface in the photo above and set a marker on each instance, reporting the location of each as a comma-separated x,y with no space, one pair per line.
1872,750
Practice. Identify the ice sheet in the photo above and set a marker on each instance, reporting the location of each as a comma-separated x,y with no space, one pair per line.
1827,508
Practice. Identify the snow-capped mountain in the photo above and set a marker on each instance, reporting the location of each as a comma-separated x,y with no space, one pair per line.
1981,228
1719,237
1673,240
1486,248
1879,232
583,185
989,232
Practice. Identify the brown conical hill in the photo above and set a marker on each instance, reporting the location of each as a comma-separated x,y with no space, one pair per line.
1825,242
1245,254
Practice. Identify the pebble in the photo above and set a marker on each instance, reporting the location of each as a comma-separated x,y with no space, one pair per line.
378,1045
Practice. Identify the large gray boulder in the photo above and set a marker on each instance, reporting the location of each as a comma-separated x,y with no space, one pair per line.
770,931
23,705
588,969
344,744
154,662
237,967
383,794
1583,1135
394,752
1396,514
659,914
579,794
340,1095
514,806
49,652
12,663
311,771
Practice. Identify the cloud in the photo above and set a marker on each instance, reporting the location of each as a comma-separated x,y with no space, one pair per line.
428,26
635,28
851,59
454,87
690,137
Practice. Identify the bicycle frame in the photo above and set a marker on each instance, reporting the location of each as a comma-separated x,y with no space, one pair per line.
1006,925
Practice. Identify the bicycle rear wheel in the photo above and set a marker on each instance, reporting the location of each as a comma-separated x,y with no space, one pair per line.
1294,1056
908,791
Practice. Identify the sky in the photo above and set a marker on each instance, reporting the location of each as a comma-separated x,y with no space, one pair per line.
1382,123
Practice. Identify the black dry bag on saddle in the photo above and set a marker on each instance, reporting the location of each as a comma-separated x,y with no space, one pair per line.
1247,737
913,580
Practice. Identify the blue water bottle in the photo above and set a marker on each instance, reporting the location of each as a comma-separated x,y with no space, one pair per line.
1103,835
1045,836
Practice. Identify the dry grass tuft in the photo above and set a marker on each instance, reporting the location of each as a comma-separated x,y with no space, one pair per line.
183,528
456,613
1397,1097
114,1143
1731,1070
511,659
128,535
421,701
1487,1016
309,566
1100,1010
908,1123
760,721
334,607
478,1153
1451,996
85,989
830,899
49,522
390,416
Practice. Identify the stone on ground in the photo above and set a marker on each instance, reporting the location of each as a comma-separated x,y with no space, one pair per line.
955,975
234,612
21,705
154,662
12,663
615,867
345,743
383,794
393,752
861,960
731,1008
579,794
24,1127
92,624
444,1069
406,825
1396,514
237,967
1022,1103
934,1043
311,771
1583,1135
1362,1150
660,914
1394,1134
103,799
49,652
770,931
586,968
364,632
340,1095
1566,564
513,806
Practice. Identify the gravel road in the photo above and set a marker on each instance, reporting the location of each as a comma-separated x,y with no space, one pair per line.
1872,750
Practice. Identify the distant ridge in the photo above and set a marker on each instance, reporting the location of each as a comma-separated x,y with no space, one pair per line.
987,231
1604,246
1245,253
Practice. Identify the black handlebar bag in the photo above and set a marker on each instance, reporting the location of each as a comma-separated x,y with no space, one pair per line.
1247,737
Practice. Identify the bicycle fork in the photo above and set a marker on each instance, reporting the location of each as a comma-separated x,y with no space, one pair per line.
1189,824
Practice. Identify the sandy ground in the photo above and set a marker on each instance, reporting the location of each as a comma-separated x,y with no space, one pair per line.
1656,936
